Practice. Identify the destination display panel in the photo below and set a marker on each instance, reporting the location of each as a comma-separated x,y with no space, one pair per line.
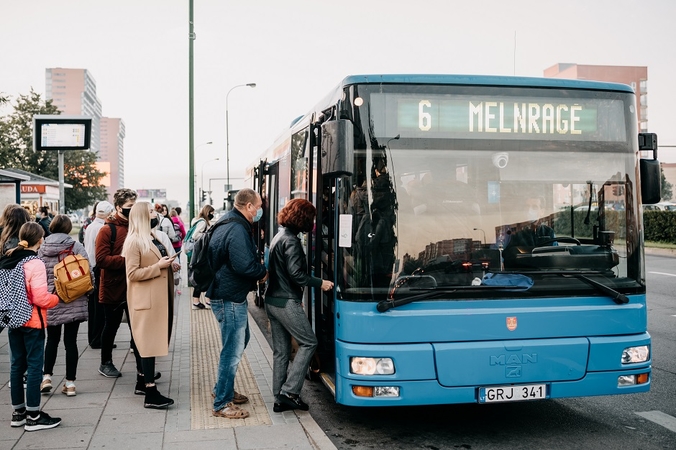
447,116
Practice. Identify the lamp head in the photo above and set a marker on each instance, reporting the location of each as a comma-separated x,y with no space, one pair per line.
251,85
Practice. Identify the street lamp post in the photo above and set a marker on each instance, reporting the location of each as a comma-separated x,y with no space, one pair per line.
202,180
479,229
227,134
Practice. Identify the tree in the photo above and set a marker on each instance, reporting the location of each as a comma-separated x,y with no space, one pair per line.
666,187
16,151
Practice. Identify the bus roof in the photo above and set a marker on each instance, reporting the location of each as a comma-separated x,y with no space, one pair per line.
486,80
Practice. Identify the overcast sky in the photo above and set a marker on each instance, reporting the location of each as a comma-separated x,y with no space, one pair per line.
296,51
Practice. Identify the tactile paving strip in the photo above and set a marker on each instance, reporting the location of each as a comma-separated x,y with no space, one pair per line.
205,349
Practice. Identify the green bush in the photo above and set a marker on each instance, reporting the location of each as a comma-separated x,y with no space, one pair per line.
660,226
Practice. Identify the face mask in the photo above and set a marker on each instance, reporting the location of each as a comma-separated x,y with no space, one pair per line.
210,216
153,222
259,214
125,212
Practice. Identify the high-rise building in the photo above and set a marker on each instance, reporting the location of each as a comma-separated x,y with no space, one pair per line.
112,151
634,76
73,92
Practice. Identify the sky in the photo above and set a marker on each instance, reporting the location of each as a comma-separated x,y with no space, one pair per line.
296,51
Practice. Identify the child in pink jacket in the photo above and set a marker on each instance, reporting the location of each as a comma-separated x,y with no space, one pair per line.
28,342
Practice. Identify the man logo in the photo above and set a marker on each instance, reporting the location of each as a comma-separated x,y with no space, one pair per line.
511,323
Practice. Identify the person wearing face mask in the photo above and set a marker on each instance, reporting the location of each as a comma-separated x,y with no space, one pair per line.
232,253
42,217
113,281
201,223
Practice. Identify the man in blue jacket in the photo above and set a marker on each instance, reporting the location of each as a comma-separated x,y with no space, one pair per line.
233,255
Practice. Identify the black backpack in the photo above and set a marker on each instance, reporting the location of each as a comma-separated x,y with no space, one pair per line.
200,272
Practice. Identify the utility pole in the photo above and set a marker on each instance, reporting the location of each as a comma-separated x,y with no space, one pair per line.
191,116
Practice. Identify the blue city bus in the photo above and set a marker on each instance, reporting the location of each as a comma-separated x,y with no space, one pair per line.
484,235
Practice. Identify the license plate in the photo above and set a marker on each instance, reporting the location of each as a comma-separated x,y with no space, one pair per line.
512,393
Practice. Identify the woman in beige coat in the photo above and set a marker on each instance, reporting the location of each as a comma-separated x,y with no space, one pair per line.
150,288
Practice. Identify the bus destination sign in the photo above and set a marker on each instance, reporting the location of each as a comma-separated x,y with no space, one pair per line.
483,117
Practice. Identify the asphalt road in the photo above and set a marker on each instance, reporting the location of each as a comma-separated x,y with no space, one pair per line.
642,421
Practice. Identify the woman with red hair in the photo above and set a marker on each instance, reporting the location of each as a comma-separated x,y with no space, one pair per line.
288,276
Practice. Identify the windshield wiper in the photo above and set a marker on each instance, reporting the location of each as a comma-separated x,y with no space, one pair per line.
616,296
385,305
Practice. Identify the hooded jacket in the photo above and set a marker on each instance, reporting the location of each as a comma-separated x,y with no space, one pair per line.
36,286
51,253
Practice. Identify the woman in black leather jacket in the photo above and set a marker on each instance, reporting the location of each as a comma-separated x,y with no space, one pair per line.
288,276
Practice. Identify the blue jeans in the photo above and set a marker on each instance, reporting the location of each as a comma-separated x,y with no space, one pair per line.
234,322
28,352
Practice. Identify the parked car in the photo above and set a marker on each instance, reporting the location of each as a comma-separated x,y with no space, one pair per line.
74,218
661,206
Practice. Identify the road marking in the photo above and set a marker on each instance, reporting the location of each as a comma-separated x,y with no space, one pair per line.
660,418
662,273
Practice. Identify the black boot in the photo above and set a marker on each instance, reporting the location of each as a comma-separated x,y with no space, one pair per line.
156,400
140,388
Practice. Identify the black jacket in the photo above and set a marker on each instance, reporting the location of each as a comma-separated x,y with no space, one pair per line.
288,270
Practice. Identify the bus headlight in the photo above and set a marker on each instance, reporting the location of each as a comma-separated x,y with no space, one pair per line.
635,354
371,366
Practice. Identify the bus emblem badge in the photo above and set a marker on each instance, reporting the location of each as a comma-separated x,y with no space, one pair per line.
511,323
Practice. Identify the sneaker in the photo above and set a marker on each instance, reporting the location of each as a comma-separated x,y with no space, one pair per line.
140,388
293,403
207,305
42,422
280,407
108,370
18,418
155,400
69,389
199,305
46,385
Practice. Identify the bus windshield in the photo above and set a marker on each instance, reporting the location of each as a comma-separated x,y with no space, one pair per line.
455,184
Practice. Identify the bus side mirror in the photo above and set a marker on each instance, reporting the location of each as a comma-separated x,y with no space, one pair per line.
337,148
651,175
